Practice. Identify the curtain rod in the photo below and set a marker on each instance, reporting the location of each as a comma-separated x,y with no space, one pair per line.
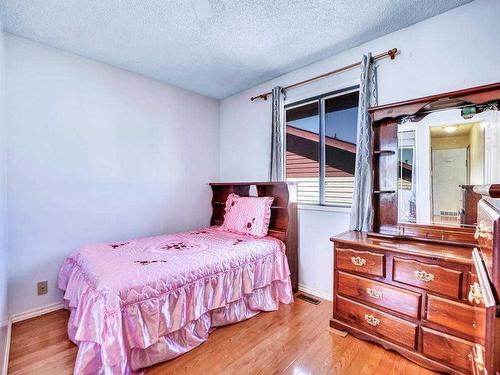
391,53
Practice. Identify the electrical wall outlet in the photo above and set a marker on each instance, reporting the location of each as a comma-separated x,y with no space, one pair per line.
42,287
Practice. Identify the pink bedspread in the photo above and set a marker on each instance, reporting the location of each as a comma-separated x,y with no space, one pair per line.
139,302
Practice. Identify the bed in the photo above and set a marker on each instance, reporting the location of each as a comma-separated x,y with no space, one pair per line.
139,302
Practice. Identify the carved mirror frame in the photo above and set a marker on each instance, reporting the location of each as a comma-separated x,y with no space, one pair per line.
385,121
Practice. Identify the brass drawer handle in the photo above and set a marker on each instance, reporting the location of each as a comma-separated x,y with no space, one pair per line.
371,320
480,230
358,261
424,276
477,233
476,294
477,358
373,293
483,231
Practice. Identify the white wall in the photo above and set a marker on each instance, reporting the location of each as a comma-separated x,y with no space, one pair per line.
477,152
95,154
316,250
492,144
454,50
4,310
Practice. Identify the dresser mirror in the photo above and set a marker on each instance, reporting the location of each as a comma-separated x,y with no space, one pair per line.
442,154
429,154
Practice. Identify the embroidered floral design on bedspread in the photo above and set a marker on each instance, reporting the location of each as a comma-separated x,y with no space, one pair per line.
116,245
238,241
200,232
148,262
178,245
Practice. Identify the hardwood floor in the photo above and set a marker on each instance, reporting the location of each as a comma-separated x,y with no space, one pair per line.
294,340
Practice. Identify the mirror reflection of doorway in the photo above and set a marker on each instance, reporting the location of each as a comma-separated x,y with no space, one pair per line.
449,171
426,186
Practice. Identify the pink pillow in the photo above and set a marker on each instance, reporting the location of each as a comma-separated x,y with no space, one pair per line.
247,215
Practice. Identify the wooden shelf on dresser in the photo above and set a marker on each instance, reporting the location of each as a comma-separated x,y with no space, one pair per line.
409,296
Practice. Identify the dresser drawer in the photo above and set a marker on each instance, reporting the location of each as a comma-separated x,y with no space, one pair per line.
360,261
447,348
458,316
396,299
394,329
428,276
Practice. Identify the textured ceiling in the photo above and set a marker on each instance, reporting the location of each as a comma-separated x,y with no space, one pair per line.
213,47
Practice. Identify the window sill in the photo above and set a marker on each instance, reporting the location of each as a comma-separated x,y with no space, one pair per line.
317,207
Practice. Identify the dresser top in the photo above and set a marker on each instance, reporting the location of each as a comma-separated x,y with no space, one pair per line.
457,254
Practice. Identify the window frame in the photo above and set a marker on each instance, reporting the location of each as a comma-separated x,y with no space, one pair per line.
320,99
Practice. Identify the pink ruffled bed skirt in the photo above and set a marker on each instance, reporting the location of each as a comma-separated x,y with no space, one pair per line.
194,333
116,338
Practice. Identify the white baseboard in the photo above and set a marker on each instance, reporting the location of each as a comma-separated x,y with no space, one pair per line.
315,292
36,312
5,367
20,317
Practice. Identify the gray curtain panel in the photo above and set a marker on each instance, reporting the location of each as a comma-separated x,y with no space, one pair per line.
362,208
277,168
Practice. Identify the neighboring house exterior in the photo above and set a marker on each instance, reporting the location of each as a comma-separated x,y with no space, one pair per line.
302,166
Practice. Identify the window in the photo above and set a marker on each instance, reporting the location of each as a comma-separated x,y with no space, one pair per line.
321,147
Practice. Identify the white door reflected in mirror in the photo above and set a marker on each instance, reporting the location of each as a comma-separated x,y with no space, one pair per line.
439,158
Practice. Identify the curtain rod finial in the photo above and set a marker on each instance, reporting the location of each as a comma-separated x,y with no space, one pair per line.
392,53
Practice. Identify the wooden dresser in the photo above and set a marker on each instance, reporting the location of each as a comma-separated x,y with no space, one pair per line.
437,304
428,291
412,297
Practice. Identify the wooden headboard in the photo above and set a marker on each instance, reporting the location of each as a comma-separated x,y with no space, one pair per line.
283,224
